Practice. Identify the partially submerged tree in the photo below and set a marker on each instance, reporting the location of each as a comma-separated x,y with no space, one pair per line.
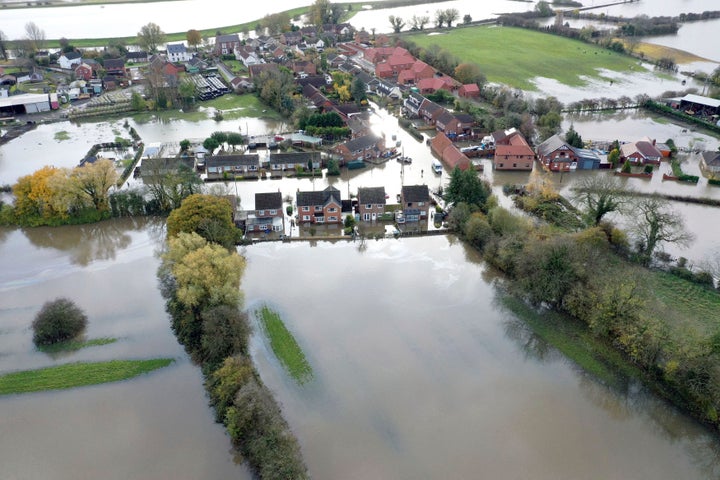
194,38
57,321
209,216
451,14
397,23
600,195
654,223
150,37
573,137
467,187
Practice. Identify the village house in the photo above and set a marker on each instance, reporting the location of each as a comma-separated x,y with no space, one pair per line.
470,90
418,70
415,202
371,203
83,72
443,147
293,160
220,167
303,67
432,85
291,38
256,70
642,152
115,66
430,111
136,57
366,147
268,214
556,154
512,151
319,207
226,44
178,52
454,125
247,55
412,104
709,161
69,60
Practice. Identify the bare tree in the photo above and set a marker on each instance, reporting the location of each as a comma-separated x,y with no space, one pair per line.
439,18
655,222
600,195
397,23
35,36
451,14
419,22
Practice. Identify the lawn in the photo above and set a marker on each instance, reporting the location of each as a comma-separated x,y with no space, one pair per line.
283,344
75,345
73,375
233,107
514,56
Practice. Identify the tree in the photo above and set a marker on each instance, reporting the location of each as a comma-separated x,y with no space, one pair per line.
186,92
467,187
466,73
94,181
451,14
57,321
397,23
419,22
543,9
234,139
549,124
169,188
600,195
439,18
210,144
184,145
323,12
35,36
467,19
3,45
206,275
150,37
573,138
220,137
194,38
477,230
654,222
209,216
276,23
614,157
358,89
36,199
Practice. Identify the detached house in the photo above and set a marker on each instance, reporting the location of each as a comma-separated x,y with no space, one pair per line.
443,147
559,156
69,60
470,90
453,125
293,160
247,56
641,152
177,52
220,167
371,203
320,207
291,38
83,72
430,111
368,146
226,44
115,66
415,202
710,161
512,151
268,214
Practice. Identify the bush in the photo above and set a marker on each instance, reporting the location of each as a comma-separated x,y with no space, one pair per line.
289,209
627,167
57,321
648,169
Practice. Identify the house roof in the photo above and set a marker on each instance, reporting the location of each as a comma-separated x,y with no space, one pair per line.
431,108
415,193
268,201
72,55
301,158
374,195
114,63
233,37
308,199
712,159
513,150
232,160
700,100
176,48
257,69
471,88
362,143
136,55
552,144
644,147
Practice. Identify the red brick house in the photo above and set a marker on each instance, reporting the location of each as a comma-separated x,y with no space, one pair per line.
469,90
431,85
512,151
319,207
430,111
454,124
114,66
556,154
371,203
226,44
83,72
641,152
383,70
443,147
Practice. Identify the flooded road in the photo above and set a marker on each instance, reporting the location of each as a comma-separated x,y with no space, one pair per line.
420,372
156,426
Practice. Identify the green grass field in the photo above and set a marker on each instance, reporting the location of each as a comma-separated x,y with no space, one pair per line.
75,345
284,345
233,107
77,375
514,56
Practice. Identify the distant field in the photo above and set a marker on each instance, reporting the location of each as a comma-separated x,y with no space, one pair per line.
513,56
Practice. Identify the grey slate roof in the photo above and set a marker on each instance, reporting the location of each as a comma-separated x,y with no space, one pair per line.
252,159
550,145
72,55
176,48
712,159
311,199
268,201
362,143
233,37
374,195
300,158
415,193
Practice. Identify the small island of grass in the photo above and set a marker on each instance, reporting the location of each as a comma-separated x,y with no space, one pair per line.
284,345
73,375
75,345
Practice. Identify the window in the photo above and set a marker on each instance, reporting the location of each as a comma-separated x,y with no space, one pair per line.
366,217
514,165
306,218
332,210
305,209
379,206
273,212
368,206
500,165
318,209
420,204
261,213
332,219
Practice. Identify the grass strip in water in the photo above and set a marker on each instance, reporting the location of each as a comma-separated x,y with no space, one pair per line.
75,345
80,374
284,345
576,342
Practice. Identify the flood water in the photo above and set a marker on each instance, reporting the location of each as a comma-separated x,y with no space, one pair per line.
156,426
420,372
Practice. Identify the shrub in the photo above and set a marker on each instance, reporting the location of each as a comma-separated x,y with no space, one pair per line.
627,167
648,169
289,209
57,321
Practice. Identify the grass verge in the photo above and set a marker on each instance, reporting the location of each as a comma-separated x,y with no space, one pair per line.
514,56
233,107
75,345
73,375
284,346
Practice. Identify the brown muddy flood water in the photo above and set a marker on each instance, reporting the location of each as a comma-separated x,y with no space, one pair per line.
420,372
156,426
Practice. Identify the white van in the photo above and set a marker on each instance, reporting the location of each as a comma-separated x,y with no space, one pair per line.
437,166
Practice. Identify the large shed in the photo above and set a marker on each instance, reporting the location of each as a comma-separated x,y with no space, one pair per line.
25,103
